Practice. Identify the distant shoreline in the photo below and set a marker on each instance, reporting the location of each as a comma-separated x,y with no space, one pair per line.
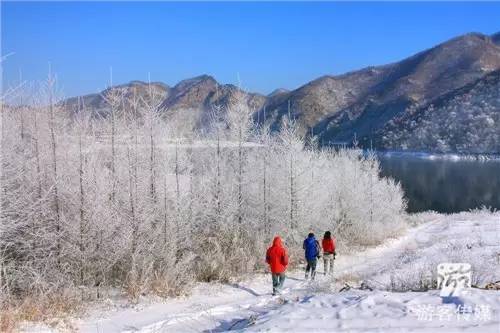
440,156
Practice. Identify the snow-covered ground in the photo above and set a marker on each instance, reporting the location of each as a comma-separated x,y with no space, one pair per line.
400,264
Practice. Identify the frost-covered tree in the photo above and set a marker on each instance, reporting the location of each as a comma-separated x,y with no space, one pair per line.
136,198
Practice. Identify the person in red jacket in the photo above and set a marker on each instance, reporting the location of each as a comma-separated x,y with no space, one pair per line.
329,253
277,258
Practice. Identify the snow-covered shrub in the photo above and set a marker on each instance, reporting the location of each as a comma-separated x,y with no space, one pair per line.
462,240
415,276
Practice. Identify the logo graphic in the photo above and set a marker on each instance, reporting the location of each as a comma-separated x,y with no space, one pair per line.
453,278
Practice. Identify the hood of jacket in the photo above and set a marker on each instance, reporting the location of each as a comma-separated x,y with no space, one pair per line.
277,241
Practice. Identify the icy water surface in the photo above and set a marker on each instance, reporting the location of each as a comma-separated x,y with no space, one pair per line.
444,183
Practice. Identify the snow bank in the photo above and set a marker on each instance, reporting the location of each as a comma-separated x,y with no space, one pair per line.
379,311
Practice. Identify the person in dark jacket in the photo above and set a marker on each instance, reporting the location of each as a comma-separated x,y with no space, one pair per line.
312,253
329,253
277,258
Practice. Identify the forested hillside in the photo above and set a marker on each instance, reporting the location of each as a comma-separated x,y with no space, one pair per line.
465,121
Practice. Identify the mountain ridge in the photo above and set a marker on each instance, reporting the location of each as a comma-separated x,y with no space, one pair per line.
360,103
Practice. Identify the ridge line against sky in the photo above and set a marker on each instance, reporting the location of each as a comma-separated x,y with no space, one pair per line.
270,45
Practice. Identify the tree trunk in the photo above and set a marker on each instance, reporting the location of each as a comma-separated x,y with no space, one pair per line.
53,145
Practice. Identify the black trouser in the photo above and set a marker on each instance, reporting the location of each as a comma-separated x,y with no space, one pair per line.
311,266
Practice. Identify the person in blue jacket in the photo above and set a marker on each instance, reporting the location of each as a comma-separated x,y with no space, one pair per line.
312,253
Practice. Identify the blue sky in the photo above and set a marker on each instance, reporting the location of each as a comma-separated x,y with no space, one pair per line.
266,45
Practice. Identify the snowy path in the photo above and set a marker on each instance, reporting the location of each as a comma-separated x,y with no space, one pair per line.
212,306
312,307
